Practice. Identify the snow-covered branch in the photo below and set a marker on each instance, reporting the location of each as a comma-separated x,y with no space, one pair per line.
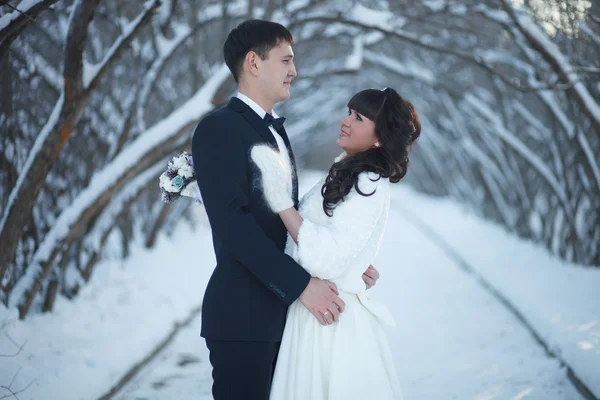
167,48
379,21
548,98
92,74
117,203
516,144
130,162
165,13
117,144
52,137
591,34
81,16
420,73
64,118
38,63
553,56
13,23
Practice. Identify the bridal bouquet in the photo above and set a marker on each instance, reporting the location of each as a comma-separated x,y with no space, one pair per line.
179,180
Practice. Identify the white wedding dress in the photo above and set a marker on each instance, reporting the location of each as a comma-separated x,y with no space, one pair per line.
351,358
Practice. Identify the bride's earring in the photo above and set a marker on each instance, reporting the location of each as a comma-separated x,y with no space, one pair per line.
377,144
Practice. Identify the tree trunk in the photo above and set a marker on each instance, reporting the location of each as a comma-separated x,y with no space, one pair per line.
52,139
160,220
62,121
50,295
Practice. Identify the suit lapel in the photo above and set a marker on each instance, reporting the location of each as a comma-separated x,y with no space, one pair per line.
286,140
255,121
259,126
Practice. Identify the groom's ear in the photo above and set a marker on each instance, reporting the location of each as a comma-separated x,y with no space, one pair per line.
252,63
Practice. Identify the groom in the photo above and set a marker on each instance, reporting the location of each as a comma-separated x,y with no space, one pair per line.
254,282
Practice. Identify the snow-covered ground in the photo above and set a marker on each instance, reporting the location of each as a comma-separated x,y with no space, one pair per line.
454,339
85,346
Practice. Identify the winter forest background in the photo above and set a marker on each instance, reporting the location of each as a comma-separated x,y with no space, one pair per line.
98,95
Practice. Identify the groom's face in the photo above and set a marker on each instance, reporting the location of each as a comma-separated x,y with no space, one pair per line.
277,72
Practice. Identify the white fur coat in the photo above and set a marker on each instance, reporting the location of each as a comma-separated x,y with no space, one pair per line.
337,248
340,248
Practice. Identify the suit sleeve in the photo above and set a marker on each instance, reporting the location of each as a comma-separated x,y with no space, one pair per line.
326,251
221,165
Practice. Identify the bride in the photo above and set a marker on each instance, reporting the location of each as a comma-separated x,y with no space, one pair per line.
335,235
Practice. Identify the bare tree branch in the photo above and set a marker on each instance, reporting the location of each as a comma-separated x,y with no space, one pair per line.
86,272
112,55
15,343
14,394
467,56
154,73
560,64
12,24
327,74
35,61
52,138
61,123
145,151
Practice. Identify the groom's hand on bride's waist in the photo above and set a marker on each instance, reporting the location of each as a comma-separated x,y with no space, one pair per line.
321,298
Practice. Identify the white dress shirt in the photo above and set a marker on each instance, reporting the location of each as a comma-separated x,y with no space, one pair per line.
261,113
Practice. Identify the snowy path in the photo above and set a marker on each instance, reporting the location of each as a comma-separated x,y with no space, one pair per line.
182,371
454,339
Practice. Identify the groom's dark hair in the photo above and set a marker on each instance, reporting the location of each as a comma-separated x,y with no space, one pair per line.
253,35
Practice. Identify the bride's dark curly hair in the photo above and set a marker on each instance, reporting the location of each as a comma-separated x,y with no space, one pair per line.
397,126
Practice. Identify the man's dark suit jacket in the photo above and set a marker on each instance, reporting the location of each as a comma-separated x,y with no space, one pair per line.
254,281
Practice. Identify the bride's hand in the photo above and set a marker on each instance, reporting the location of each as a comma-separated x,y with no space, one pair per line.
276,177
370,276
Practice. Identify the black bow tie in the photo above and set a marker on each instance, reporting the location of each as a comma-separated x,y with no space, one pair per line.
276,122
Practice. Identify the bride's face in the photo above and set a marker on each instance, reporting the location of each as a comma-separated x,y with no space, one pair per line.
357,133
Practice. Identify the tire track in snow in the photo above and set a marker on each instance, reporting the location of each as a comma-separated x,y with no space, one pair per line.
137,368
463,264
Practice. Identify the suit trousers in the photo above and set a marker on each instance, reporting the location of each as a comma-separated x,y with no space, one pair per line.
242,370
